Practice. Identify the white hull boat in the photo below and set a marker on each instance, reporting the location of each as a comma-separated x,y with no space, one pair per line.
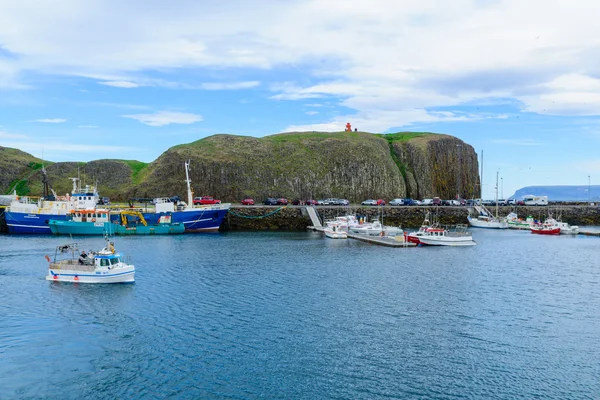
442,237
104,266
376,229
335,232
566,229
483,221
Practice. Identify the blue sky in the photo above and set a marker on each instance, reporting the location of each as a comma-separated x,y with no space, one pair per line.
107,79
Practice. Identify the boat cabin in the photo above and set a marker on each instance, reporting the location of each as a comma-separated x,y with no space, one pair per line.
102,260
99,216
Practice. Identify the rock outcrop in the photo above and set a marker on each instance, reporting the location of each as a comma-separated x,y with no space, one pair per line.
303,165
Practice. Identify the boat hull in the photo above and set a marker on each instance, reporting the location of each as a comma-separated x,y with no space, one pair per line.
336,235
555,231
99,228
119,275
446,241
19,223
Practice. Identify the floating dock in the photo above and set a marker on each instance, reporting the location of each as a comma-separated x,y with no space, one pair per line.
589,232
388,241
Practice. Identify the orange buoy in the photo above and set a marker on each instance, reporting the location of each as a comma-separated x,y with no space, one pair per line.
55,276
76,278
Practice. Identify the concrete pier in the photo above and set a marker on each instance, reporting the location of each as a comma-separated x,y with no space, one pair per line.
388,241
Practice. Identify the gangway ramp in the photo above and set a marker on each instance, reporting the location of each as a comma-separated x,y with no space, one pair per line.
314,217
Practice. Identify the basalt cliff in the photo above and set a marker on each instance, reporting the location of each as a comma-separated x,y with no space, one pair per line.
303,165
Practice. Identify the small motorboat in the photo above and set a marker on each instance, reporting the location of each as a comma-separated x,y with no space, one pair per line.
334,231
104,266
456,236
514,222
549,227
566,229
375,228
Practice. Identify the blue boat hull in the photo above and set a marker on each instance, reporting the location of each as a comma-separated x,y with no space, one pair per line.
17,222
196,220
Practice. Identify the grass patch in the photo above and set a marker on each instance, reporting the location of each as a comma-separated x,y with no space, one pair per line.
137,169
403,136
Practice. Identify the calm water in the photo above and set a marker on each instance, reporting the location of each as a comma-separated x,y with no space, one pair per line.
292,315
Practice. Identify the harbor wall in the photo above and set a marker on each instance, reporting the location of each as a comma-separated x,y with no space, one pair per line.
295,218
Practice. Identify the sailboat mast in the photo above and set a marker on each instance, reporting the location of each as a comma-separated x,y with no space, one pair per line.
497,172
481,178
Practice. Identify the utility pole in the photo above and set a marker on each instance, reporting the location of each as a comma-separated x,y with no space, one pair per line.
460,166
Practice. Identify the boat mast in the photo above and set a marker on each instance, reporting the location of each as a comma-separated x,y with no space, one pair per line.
190,196
481,178
497,172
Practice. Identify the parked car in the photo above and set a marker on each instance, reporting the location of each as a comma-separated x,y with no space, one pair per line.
311,202
511,202
380,202
248,201
418,203
369,202
321,202
427,202
454,202
342,202
296,202
270,201
436,201
520,202
206,200
397,202
282,202
502,202
103,201
409,202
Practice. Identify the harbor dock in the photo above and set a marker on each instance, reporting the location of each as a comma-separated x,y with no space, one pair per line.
388,241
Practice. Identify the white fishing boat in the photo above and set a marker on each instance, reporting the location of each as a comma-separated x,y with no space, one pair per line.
335,232
344,223
457,236
104,266
413,237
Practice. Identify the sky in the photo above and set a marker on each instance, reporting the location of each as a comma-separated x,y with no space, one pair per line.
517,80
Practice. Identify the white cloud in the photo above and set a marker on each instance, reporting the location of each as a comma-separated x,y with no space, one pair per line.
120,84
388,55
229,85
311,112
51,120
162,118
7,135
517,142
88,126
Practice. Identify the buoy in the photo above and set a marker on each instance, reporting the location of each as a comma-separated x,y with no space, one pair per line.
47,258
76,278
55,276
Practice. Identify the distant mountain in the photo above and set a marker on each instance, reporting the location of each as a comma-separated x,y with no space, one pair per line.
561,193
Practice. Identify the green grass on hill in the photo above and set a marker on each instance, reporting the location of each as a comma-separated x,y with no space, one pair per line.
403,136
138,170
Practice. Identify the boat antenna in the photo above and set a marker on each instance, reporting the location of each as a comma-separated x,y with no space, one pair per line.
497,173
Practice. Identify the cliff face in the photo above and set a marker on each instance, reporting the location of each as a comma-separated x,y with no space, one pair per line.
352,165
439,165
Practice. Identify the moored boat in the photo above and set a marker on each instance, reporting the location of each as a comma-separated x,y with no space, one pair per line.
98,222
413,237
376,228
514,222
457,236
566,229
104,266
333,231
549,227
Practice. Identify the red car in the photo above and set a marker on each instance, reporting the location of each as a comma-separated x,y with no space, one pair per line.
311,202
381,202
206,200
282,201
248,202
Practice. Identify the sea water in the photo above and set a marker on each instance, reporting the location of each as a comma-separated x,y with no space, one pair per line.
297,316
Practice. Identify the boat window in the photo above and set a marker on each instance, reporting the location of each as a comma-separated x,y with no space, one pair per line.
114,261
104,262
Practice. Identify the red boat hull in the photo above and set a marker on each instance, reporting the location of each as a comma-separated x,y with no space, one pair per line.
555,231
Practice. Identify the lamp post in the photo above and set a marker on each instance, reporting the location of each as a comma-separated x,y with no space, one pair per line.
459,171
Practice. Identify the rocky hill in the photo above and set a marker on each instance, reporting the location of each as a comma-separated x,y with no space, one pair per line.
352,165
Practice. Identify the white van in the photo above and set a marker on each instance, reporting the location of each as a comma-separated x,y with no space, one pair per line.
531,200
427,202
